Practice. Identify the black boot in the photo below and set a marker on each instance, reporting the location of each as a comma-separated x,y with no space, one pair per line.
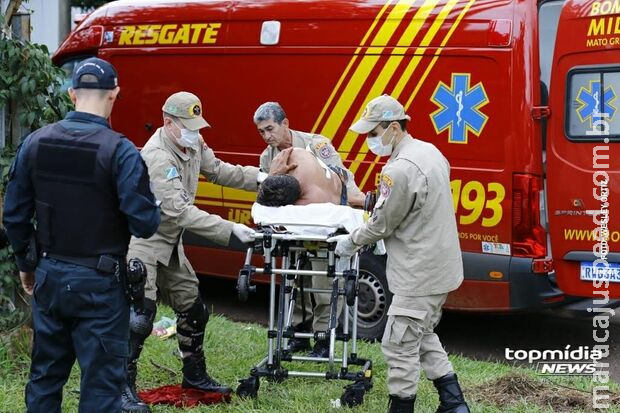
141,324
451,398
300,344
320,349
401,405
131,402
195,375
296,345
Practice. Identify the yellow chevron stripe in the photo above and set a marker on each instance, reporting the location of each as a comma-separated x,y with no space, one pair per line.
414,62
438,51
426,40
368,62
238,195
348,68
223,204
387,72
213,191
371,167
209,190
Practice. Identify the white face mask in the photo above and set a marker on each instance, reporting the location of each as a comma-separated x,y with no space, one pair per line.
376,146
188,137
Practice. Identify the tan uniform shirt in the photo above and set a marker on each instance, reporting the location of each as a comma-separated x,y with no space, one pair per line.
321,147
174,179
415,216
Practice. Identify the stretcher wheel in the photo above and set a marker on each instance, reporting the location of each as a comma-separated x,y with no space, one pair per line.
351,289
353,394
248,387
243,286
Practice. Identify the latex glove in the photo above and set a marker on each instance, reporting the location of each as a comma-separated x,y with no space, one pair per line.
244,233
344,246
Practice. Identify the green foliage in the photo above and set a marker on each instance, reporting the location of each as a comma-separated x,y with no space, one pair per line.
30,87
232,349
30,83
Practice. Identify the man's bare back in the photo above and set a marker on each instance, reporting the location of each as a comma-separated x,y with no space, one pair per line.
316,187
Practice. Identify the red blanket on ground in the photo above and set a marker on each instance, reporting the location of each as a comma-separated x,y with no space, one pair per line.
176,396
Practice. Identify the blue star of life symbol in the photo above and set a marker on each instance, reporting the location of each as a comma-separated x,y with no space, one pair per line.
591,102
459,108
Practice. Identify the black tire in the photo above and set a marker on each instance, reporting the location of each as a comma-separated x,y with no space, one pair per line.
248,388
374,297
243,287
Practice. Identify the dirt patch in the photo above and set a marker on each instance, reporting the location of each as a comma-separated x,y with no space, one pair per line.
514,389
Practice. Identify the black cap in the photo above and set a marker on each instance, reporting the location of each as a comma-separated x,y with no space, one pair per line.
102,70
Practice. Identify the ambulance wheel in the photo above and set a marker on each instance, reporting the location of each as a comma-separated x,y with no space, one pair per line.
374,298
248,388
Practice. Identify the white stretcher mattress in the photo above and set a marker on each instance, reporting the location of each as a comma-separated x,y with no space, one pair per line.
312,219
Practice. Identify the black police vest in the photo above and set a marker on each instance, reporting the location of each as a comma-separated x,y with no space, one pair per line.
77,207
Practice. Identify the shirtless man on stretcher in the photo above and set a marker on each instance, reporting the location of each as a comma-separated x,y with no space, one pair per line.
298,177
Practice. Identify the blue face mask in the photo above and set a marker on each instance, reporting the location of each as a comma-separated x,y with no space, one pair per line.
376,146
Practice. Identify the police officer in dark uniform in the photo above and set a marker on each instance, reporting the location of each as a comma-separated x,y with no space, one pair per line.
88,189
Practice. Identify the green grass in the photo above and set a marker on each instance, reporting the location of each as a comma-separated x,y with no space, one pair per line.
233,348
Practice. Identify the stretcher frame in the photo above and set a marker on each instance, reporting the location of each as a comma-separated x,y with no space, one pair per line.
290,248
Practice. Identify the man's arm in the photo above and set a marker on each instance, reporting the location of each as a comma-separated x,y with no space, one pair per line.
177,203
223,173
19,208
136,200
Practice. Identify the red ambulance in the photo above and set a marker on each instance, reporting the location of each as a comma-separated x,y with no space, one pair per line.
521,96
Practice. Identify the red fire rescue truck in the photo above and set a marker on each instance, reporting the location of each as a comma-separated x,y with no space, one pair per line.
521,96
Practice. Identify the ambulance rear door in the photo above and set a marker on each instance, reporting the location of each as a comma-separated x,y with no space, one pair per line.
583,156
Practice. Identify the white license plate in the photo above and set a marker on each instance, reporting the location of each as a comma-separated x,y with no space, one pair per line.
610,273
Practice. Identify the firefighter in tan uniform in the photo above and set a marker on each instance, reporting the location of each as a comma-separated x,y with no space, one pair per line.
273,126
415,217
175,156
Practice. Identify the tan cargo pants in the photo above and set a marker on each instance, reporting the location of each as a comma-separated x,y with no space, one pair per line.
409,342
177,281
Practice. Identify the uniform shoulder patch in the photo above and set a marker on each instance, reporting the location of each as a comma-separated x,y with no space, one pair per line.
171,173
385,186
324,150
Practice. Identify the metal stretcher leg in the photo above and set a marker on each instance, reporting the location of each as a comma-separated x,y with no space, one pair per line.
280,330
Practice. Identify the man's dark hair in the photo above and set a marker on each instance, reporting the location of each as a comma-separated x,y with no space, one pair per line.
278,190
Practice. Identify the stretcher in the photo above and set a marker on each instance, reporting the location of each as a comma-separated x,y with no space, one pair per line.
285,242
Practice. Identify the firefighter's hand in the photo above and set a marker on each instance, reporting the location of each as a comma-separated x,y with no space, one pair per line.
345,246
244,233
27,279
280,165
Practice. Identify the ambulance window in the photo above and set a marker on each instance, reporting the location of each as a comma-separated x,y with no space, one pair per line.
67,67
592,108
548,18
